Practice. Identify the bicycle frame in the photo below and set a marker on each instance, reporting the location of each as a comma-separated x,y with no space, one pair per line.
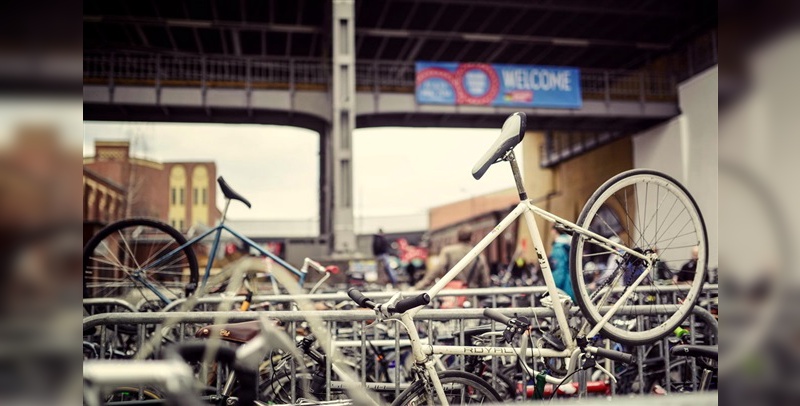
217,231
527,209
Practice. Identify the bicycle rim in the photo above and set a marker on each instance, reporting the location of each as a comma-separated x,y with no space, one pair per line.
461,388
114,257
652,214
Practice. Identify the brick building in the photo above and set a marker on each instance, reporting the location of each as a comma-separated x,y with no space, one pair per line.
481,214
179,193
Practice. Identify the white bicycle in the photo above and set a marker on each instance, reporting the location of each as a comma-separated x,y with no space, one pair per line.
642,223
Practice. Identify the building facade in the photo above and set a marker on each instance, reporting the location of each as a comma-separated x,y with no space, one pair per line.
181,194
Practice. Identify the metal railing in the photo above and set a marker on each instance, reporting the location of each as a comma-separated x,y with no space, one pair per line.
167,70
107,305
493,296
158,70
349,329
513,294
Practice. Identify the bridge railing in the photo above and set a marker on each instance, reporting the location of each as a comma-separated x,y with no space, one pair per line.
122,68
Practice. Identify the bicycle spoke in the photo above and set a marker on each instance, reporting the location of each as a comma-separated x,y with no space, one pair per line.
671,241
114,257
655,215
673,222
116,265
628,216
153,256
663,227
125,242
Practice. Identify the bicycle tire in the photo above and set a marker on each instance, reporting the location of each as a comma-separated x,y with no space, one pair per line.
627,265
278,388
417,389
112,253
504,385
130,393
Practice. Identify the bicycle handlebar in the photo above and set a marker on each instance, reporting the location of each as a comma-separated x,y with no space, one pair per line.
618,356
412,302
360,299
401,306
685,350
308,262
496,316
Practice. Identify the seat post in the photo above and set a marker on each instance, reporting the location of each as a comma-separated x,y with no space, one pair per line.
705,381
517,176
225,211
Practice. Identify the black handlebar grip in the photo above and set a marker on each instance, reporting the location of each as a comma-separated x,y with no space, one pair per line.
412,302
359,298
496,316
618,356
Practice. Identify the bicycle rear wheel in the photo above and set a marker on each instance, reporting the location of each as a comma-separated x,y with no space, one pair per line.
461,388
131,394
505,386
651,213
278,389
124,257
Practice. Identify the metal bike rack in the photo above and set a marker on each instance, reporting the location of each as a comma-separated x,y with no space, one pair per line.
92,304
332,318
491,293
98,375
359,315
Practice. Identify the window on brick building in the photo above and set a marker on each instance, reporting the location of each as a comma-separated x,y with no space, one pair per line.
174,200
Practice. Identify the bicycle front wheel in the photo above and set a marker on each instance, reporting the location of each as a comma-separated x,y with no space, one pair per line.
461,388
652,214
138,259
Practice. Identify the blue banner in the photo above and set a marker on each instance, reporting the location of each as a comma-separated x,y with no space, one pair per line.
498,85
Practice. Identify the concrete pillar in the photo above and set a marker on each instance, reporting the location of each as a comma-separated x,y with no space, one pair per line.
344,93
325,184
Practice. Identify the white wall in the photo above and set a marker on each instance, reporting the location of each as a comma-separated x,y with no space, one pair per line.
686,148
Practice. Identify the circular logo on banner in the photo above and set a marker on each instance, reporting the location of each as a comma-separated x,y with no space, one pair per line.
476,83
479,76
473,83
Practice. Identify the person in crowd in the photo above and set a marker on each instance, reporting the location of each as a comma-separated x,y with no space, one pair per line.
519,269
380,249
591,274
662,270
686,274
612,264
475,275
559,262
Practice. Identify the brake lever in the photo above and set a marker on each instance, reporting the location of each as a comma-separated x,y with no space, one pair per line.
516,326
605,371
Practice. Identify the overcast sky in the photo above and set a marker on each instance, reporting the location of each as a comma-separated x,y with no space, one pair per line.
397,171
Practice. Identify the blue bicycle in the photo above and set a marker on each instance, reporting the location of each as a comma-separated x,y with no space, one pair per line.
145,258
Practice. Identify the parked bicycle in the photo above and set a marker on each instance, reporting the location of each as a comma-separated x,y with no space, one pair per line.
155,260
707,356
643,240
